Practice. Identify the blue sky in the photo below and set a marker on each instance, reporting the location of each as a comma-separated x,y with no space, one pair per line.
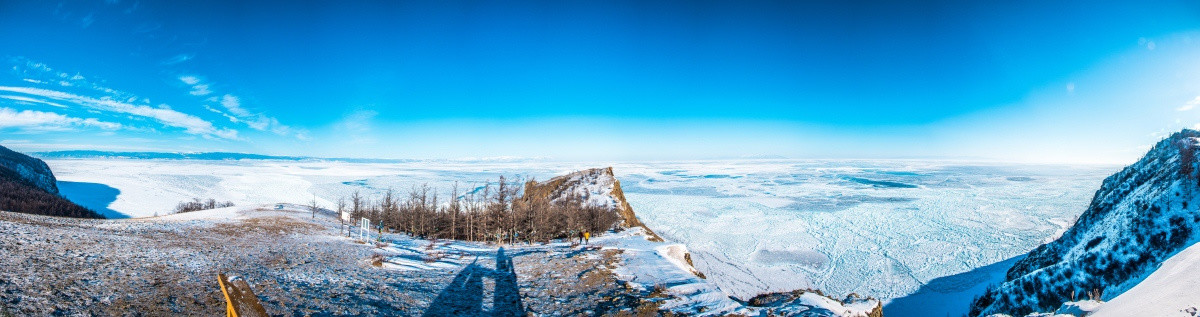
602,80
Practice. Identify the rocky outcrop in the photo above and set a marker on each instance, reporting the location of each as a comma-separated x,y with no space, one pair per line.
28,186
1141,216
594,187
30,169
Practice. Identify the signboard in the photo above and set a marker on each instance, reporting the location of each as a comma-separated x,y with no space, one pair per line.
364,229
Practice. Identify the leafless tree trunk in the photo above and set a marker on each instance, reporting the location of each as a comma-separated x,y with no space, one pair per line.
341,208
313,205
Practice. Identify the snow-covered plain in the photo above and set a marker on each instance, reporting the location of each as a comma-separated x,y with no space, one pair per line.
879,229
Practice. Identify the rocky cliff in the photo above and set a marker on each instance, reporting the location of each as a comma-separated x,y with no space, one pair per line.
1141,216
30,169
28,186
595,187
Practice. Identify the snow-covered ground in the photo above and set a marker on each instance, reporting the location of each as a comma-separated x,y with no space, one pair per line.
297,264
304,264
879,229
1170,290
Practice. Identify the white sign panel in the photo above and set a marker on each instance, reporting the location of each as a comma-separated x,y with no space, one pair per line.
364,229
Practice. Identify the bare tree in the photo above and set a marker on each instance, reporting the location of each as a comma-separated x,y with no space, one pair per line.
341,208
453,211
312,204
497,213
356,206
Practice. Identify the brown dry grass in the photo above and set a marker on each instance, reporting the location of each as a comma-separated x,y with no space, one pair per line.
275,225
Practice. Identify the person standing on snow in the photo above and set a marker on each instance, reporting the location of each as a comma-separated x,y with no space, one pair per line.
587,235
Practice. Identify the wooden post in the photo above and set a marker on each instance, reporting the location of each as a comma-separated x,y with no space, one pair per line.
240,300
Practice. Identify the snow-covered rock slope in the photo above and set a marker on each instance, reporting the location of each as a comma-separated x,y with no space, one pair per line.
1140,217
30,169
595,187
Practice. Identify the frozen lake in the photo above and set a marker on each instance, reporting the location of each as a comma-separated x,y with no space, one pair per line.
882,229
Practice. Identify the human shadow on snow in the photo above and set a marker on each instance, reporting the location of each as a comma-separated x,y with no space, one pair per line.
464,295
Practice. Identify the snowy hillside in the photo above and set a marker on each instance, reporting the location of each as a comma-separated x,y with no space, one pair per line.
1170,290
594,187
1140,217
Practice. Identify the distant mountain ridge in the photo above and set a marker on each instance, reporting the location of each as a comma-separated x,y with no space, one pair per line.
217,156
28,186
234,156
1139,217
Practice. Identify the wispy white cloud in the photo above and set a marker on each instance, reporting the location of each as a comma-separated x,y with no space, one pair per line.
222,113
87,20
1190,104
234,105
27,100
1147,43
163,113
357,126
178,59
358,121
237,113
40,73
48,121
190,80
198,88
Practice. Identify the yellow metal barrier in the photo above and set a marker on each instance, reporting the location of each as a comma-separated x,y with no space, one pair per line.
240,300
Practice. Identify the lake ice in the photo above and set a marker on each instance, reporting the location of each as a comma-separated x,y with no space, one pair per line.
877,228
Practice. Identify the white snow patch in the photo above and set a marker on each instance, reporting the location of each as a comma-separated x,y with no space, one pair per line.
1169,291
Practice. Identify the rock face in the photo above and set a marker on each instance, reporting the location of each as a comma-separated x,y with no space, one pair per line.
1141,216
30,169
597,187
